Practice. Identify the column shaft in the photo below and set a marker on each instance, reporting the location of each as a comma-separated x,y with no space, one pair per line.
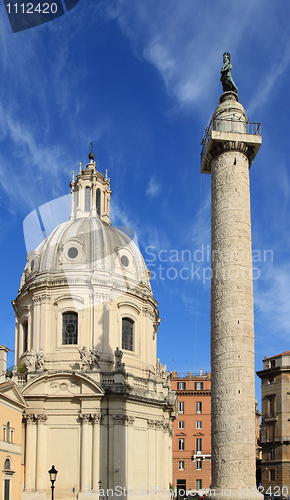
40,453
85,453
30,453
232,326
96,451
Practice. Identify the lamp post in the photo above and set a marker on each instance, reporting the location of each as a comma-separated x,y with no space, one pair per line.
52,476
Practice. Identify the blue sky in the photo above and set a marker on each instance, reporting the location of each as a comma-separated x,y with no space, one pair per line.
140,78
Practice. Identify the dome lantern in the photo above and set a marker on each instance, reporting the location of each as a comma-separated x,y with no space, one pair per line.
91,193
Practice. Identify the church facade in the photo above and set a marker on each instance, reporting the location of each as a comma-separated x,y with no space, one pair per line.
98,407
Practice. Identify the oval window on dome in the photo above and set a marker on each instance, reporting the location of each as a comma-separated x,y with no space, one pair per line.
124,261
72,252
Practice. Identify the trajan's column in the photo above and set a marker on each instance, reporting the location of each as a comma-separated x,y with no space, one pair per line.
230,145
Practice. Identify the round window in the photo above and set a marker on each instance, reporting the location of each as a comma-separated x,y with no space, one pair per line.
124,261
72,252
70,328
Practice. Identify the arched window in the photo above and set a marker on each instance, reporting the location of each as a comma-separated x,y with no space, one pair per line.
87,199
127,334
70,328
77,198
7,464
98,201
25,336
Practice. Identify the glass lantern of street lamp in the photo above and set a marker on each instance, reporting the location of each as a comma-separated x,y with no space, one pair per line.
52,474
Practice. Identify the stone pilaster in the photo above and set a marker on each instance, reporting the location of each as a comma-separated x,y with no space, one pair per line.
30,438
85,452
151,452
96,420
40,452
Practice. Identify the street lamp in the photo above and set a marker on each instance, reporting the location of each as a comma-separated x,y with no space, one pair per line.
52,476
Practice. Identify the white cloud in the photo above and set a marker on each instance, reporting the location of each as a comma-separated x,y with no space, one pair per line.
267,84
182,41
153,188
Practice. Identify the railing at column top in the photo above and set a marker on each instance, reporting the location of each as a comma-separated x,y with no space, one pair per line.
229,125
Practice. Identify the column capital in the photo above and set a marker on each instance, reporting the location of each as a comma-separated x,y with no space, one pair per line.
40,418
96,418
84,417
28,418
120,419
159,424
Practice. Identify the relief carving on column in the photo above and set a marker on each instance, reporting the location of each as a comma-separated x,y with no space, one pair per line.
151,423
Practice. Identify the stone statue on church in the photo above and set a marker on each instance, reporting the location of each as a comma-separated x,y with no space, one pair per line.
30,360
94,358
39,364
89,359
119,366
226,77
161,371
85,356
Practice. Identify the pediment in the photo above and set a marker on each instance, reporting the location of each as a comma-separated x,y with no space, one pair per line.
63,385
10,393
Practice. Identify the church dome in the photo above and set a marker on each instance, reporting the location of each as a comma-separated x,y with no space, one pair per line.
86,288
88,245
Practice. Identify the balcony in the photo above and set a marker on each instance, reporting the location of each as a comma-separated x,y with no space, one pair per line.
222,130
20,379
275,439
200,455
270,417
266,440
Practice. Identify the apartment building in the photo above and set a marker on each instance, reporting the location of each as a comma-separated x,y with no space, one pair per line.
275,427
191,446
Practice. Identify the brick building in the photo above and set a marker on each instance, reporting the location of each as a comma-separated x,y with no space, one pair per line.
275,428
191,446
